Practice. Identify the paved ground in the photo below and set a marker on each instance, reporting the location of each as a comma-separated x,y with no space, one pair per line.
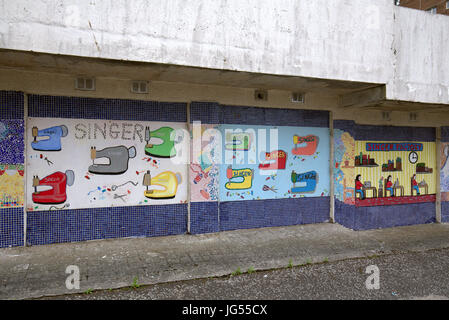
422,275
40,270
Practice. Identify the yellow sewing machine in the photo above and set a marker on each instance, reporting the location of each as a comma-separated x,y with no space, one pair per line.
244,178
168,180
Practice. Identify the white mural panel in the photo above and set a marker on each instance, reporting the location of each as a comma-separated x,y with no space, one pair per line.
79,163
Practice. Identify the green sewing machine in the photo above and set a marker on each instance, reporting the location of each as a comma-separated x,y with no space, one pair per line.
166,149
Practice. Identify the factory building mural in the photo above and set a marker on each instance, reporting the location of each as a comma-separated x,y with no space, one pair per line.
273,162
79,163
390,173
383,183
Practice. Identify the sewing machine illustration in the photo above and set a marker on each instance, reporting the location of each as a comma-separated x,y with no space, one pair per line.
166,149
168,180
307,178
274,160
58,182
118,159
238,141
311,142
54,134
239,179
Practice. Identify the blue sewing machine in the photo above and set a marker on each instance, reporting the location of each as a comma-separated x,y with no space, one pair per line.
54,134
307,178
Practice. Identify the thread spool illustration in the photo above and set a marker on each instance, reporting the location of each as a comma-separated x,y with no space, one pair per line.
34,132
93,153
147,180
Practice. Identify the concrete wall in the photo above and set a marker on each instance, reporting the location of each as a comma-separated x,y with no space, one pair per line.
363,40
336,39
421,61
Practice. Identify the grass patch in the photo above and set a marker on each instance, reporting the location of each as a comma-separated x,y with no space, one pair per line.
236,272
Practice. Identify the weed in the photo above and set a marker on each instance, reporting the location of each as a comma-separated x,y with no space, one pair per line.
290,264
236,272
250,270
88,291
135,285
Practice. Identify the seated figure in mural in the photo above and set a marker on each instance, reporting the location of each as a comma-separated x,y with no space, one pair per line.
389,186
359,187
415,185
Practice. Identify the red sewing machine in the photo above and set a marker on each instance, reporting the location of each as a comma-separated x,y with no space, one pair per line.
274,160
58,182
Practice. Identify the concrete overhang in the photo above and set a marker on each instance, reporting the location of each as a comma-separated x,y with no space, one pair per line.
120,69
350,95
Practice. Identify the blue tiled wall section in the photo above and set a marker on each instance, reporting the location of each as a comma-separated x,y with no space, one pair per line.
445,211
204,217
110,109
11,227
364,218
445,134
385,133
11,105
273,212
214,113
45,227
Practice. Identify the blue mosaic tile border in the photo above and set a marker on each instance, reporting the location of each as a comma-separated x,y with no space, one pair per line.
445,134
110,109
214,113
46,227
273,212
386,133
204,217
445,211
11,105
365,218
205,112
346,125
11,227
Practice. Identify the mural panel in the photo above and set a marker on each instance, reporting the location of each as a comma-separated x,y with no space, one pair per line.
262,162
444,177
205,164
11,185
344,172
389,173
78,163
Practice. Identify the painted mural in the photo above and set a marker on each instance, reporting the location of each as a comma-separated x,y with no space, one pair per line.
205,157
344,173
11,141
444,176
261,162
389,173
11,185
11,163
78,163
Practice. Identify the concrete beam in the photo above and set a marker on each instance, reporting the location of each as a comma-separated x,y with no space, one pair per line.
364,98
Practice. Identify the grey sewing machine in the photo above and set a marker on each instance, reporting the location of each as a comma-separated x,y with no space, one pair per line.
118,159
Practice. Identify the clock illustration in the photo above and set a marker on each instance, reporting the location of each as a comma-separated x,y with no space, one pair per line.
413,157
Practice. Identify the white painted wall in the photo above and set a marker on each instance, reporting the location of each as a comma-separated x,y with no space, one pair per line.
332,39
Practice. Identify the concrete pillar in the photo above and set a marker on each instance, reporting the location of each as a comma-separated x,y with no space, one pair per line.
438,172
331,168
